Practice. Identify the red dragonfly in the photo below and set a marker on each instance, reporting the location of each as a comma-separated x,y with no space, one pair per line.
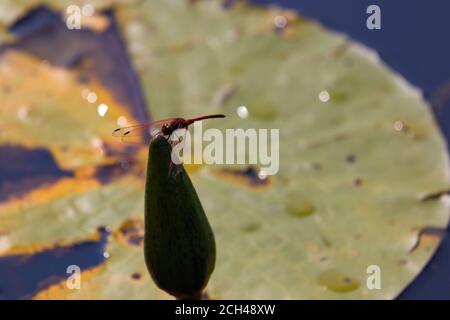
165,127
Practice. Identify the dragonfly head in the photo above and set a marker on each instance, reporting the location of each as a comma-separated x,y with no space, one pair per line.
166,129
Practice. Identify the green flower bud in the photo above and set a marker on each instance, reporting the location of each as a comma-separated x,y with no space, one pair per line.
179,244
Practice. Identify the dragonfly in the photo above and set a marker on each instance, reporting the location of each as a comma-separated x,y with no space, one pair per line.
165,127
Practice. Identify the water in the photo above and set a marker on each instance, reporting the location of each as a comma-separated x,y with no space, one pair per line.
40,270
17,176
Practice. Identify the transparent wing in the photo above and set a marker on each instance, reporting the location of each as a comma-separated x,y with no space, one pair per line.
139,133
140,129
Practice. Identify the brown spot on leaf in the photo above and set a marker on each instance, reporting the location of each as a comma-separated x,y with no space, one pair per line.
248,176
403,262
136,276
132,232
351,158
428,237
434,195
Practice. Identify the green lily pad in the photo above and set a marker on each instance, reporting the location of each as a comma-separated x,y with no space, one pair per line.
365,211
359,152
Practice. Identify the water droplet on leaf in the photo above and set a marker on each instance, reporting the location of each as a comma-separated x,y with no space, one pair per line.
300,208
337,281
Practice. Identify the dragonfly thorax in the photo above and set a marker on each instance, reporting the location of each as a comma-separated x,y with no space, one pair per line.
170,127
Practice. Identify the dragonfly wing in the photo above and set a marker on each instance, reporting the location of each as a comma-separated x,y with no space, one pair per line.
136,130
139,133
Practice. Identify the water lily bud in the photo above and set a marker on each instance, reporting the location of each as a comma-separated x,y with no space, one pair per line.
179,244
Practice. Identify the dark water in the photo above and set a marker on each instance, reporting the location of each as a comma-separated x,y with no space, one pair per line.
22,170
413,40
22,276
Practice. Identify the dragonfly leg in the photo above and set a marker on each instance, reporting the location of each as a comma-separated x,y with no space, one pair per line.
175,169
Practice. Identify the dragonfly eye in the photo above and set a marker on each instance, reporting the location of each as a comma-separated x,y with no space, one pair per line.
165,129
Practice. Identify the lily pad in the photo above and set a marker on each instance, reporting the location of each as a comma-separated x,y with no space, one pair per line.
359,155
